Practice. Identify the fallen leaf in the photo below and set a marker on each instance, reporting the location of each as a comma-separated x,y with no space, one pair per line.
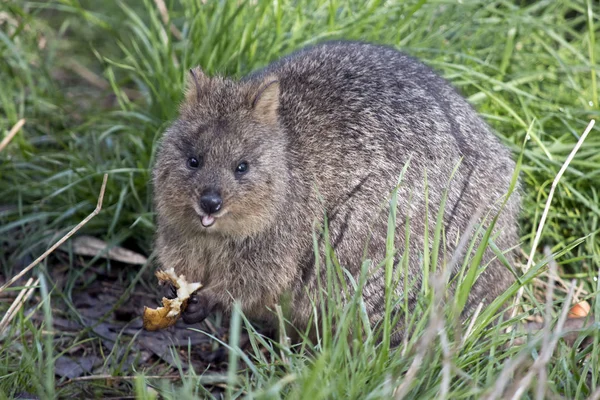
74,367
91,246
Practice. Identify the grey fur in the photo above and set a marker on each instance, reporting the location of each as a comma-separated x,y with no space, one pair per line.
342,118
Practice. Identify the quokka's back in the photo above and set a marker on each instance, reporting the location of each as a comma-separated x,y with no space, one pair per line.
250,166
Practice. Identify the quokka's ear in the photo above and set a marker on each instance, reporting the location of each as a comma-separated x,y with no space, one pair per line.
195,85
265,102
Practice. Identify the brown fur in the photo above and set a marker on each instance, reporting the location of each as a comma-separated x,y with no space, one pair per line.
326,130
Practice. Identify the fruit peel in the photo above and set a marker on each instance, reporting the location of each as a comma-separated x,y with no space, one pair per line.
167,315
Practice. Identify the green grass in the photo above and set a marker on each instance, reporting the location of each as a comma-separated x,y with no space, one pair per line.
529,67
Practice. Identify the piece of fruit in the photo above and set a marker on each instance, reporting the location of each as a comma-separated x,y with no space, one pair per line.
579,310
163,317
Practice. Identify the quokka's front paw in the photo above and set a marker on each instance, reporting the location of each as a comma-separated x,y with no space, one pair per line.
199,306
168,290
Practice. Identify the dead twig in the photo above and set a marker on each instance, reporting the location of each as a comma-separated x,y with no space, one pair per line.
114,378
95,80
14,130
547,349
283,338
211,327
542,222
21,299
472,323
435,327
549,340
87,75
62,240
546,331
595,395
162,9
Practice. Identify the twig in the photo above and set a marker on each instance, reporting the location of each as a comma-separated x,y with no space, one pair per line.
211,327
89,76
541,388
510,366
436,325
21,299
15,129
446,364
549,341
538,234
422,350
595,395
162,9
95,80
472,323
547,348
115,378
283,338
464,241
62,240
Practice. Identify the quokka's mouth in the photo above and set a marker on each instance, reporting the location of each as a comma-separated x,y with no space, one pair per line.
208,220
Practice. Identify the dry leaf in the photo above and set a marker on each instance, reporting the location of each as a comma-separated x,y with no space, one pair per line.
91,246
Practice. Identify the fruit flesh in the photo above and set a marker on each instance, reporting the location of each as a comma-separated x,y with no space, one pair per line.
169,313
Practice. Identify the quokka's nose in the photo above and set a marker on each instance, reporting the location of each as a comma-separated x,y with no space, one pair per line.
211,202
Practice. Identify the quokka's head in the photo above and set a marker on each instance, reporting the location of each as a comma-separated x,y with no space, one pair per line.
221,165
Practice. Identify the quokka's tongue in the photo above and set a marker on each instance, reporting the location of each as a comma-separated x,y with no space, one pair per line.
207,221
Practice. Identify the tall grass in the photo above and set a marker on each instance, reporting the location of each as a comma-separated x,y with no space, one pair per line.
97,82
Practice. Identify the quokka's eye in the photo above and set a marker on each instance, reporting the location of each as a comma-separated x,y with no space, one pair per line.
242,168
193,163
